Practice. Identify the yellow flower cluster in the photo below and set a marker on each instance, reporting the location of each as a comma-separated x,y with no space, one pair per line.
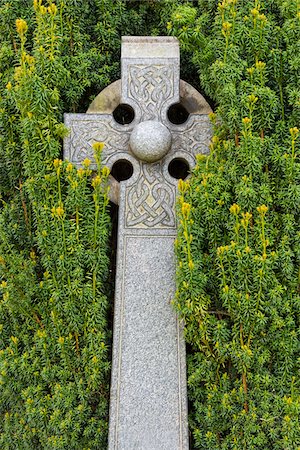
186,210
58,212
226,26
182,186
252,98
254,12
69,167
262,210
235,209
294,132
86,163
52,9
14,339
98,146
105,172
57,163
246,219
96,181
246,120
260,65
21,26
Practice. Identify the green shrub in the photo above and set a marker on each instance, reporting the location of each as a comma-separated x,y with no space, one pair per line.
54,224
238,248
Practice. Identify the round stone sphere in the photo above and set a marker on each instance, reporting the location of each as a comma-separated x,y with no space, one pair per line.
150,141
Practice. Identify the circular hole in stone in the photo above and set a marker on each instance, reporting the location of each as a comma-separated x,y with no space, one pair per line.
179,168
177,114
122,170
123,114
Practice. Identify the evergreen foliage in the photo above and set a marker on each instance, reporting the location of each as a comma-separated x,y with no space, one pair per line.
239,239
54,227
238,248
54,223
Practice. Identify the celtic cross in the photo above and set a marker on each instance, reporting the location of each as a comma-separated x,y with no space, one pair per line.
148,404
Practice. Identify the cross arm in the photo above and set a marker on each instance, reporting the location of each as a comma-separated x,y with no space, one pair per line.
86,129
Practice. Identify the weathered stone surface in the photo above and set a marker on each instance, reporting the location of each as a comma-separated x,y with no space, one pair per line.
150,141
149,393
148,405
110,98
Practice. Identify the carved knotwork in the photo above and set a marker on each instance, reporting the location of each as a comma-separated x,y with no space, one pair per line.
150,86
88,129
150,202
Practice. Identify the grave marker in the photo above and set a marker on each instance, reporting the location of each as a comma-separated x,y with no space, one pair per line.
148,404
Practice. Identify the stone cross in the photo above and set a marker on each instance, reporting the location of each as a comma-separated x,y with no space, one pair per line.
148,403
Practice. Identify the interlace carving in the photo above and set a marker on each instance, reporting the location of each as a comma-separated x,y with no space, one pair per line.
151,201
84,133
150,86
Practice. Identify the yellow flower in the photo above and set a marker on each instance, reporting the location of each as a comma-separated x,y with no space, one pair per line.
221,250
57,163
86,163
60,211
69,167
98,146
57,212
30,59
14,339
215,140
186,209
105,172
294,132
80,172
234,209
226,27
94,359
200,157
262,17
247,216
262,210
52,9
61,340
247,249
260,65
254,12
96,181
212,117
250,70
182,186
3,284
9,86
252,98
21,26
246,120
